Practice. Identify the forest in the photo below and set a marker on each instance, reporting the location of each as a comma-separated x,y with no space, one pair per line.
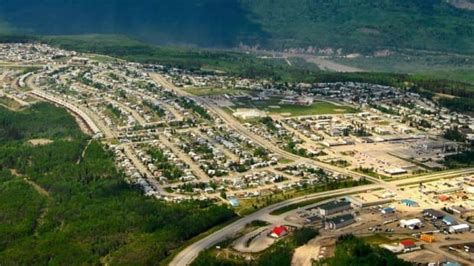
59,207
354,25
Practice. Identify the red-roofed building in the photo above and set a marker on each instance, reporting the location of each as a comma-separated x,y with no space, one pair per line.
408,244
279,231
444,197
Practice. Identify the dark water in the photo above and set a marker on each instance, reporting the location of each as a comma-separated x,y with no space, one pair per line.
210,23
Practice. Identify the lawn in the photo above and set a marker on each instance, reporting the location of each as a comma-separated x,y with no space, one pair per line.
10,103
212,91
318,108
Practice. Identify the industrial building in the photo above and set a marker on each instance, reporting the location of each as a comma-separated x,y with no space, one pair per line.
460,228
411,224
433,214
339,221
333,207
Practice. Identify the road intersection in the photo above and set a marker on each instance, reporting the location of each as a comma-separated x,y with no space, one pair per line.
186,256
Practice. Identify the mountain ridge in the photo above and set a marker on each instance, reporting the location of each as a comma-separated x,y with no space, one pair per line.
351,25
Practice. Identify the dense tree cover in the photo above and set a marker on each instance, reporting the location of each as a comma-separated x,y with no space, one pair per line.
458,104
463,159
303,235
207,23
30,124
354,251
248,65
365,25
454,134
355,25
20,206
57,209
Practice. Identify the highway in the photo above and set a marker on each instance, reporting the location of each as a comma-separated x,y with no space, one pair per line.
433,177
237,126
186,256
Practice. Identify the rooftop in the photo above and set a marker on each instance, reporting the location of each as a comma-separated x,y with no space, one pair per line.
333,205
341,219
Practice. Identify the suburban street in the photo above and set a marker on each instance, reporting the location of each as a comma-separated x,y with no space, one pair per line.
177,145
186,256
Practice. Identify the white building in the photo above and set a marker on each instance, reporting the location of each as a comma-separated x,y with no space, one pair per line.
411,224
460,228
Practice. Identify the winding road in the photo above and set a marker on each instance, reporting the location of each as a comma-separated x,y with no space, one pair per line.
186,256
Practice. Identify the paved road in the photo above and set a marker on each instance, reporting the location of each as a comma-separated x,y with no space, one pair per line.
192,251
433,177
237,126
143,169
440,248
186,159
186,256
132,112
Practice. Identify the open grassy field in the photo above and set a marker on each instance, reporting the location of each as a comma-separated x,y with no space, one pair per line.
318,108
212,91
10,103
273,106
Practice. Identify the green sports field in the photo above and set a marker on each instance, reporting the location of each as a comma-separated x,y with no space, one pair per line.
318,108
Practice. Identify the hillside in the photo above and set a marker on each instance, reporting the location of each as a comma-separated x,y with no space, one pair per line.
57,210
210,23
354,25
364,25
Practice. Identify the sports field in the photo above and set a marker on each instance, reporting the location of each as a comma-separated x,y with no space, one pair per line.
212,91
318,108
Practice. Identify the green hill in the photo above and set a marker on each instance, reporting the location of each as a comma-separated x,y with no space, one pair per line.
365,24
354,25
58,210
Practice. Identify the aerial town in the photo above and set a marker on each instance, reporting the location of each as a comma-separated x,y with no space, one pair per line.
370,159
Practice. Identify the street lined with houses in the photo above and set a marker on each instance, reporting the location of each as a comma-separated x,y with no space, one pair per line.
342,157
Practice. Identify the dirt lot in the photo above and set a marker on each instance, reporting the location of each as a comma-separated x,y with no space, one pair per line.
257,240
422,256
